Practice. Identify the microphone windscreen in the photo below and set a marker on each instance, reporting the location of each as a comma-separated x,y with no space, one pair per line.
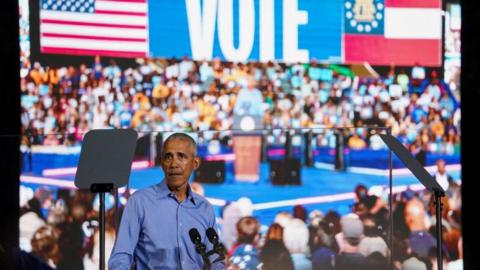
212,235
195,236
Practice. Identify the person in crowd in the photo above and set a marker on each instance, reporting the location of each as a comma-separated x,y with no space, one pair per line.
372,241
351,235
30,221
444,179
323,246
413,263
295,236
377,261
44,245
274,232
420,240
247,233
300,212
275,255
457,264
231,214
244,253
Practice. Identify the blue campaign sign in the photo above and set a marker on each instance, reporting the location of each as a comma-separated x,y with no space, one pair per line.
239,30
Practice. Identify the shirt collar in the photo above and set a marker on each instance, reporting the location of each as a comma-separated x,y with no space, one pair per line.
163,191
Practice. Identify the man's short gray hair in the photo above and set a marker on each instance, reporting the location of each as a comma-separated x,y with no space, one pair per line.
182,136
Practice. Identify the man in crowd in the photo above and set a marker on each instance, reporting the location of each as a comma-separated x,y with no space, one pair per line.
443,179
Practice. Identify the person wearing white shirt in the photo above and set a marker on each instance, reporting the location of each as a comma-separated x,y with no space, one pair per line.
445,180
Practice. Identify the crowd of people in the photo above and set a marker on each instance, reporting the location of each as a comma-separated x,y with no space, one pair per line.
357,240
60,104
62,231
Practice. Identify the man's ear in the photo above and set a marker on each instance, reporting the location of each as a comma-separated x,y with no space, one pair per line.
196,163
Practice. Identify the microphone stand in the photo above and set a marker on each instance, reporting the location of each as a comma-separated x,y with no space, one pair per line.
221,256
218,248
201,248
438,215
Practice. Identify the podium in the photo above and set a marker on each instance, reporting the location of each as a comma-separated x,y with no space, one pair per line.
247,147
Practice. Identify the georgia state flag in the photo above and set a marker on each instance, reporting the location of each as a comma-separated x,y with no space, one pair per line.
403,32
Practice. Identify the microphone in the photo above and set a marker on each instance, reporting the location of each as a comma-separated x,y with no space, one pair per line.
195,236
218,247
199,246
212,236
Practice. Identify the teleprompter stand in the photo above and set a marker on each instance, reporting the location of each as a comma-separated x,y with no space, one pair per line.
105,163
426,179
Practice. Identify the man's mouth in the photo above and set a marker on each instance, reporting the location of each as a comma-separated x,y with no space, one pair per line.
175,174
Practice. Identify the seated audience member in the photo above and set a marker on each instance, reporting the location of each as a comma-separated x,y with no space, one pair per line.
295,236
300,212
457,264
275,232
323,247
351,235
275,255
372,242
413,263
376,261
45,247
244,253
231,215
30,221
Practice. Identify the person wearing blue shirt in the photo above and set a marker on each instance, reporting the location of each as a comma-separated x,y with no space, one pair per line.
155,225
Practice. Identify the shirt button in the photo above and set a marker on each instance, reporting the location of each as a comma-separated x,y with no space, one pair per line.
180,224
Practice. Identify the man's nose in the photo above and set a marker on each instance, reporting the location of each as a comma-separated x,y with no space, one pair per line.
175,162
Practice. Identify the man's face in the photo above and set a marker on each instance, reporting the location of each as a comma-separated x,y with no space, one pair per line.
441,167
178,161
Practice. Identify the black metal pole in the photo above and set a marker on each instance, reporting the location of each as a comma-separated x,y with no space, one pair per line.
116,213
207,265
264,156
390,199
438,214
339,157
101,188
308,148
102,230
288,145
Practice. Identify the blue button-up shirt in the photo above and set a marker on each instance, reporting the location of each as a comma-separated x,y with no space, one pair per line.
154,231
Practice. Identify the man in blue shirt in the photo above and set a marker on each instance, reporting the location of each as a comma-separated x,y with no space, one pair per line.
154,231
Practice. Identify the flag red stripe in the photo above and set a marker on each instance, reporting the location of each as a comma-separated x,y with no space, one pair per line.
70,51
378,50
413,4
93,24
93,37
115,12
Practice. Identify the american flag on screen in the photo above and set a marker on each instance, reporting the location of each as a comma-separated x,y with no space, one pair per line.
94,27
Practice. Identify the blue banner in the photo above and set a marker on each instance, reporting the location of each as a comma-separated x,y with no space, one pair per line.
240,30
